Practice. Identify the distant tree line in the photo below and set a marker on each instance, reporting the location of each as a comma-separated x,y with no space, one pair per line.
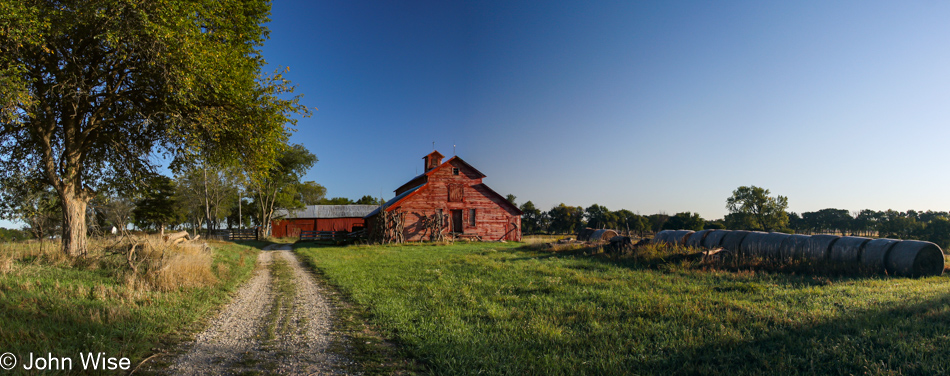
930,225
564,219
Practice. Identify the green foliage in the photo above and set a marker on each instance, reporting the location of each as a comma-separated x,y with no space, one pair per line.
511,198
656,221
753,209
29,201
369,200
599,217
13,235
530,219
566,219
275,187
91,90
715,225
336,201
495,309
311,193
685,221
159,207
628,221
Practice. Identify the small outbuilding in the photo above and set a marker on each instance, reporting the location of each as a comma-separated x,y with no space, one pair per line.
334,218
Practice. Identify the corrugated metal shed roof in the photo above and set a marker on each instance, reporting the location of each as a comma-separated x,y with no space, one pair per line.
328,211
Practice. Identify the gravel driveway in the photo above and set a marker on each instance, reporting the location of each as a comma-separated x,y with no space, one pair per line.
279,323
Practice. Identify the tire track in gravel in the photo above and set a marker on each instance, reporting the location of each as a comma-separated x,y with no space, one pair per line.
265,330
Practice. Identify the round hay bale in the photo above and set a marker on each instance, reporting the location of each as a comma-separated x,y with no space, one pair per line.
713,239
750,246
672,237
914,258
584,235
604,234
875,254
816,247
764,245
848,249
789,249
661,237
695,239
732,241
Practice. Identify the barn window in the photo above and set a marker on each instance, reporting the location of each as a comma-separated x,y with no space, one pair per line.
455,171
471,217
455,193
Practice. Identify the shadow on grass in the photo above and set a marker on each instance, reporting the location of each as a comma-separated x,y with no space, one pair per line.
907,339
259,244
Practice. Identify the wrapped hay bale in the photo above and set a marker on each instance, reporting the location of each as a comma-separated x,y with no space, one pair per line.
875,254
733,240
714,238
816,247
914,258
695,239
765,245
672,237
848,250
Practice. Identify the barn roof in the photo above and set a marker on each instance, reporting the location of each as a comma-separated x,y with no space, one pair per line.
393,201
420,179
327,211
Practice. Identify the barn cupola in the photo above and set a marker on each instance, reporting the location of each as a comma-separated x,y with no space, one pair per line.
433,160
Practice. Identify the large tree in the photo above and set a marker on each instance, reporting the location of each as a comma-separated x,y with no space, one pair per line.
92,89
753,208
276,187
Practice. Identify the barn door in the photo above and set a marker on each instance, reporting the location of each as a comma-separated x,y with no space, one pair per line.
456,221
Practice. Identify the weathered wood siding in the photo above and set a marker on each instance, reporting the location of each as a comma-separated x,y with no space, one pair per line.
292,227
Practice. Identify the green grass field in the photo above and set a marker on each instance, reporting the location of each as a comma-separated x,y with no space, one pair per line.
507,309
52,305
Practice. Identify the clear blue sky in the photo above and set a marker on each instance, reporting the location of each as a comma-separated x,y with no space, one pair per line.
648,106
653,106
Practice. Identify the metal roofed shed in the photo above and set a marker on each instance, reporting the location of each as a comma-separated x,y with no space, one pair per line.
320,218
327,211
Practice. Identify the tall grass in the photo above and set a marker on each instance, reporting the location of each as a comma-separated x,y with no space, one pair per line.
52,303
490,308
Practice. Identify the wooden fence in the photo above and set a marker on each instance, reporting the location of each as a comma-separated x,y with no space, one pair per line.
245,234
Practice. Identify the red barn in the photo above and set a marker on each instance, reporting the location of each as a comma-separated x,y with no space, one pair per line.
320,218
453,191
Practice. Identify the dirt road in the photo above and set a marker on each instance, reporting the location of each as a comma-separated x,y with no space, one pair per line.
279,323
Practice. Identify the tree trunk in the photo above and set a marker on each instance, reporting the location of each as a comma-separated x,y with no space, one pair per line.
74,225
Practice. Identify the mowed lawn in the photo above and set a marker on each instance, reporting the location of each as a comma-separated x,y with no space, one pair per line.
503,308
